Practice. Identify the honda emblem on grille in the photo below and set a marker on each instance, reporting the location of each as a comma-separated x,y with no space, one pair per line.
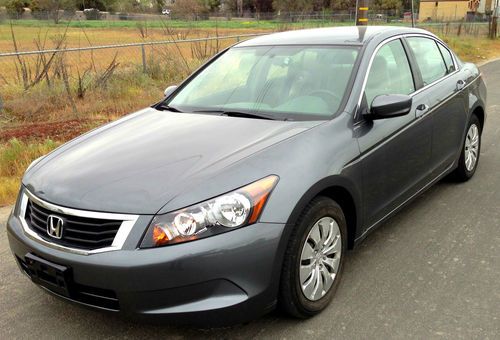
55,226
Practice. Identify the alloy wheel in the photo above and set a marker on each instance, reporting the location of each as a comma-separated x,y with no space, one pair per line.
471,147
320,258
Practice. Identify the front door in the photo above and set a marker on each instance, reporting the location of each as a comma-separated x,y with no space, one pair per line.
395,151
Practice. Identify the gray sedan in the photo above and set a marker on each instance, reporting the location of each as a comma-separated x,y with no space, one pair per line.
243,189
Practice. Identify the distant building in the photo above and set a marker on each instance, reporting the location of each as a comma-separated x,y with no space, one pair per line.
486,6
445,10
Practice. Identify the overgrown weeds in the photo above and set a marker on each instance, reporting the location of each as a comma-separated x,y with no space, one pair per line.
31,74
67,85
15,156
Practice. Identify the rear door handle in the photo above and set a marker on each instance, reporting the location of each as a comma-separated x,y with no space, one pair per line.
421,110
460,85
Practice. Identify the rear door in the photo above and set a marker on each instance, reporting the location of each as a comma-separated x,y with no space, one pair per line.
395,151
443,86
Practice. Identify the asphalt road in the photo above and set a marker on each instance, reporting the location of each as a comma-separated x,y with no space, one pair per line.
432,271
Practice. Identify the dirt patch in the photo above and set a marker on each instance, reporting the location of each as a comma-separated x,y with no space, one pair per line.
4,213
58,131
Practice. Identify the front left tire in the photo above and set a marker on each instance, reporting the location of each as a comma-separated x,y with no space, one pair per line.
314,259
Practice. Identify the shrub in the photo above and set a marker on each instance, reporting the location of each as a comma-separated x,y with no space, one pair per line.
92,14
189,10
15,157
15,8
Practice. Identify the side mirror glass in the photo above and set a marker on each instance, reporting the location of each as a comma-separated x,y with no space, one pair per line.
391,105
169,90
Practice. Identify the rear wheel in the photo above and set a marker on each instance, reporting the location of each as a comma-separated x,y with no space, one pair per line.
314,259
469,157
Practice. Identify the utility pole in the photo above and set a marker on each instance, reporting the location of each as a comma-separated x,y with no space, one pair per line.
412,14
494,21
361,12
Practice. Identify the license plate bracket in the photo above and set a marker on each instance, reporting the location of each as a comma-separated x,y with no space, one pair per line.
52,276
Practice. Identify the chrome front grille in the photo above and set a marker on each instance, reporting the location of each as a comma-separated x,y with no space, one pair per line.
83,232
78,232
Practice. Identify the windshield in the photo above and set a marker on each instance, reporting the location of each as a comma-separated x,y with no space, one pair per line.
279,82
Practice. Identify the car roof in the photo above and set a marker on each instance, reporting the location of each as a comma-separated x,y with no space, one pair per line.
347,35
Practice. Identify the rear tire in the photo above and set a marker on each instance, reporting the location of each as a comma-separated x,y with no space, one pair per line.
314,259
471,149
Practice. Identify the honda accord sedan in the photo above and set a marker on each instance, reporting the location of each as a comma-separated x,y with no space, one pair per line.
245,186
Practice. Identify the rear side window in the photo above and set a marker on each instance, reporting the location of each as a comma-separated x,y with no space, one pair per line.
429,59
390,72
448,59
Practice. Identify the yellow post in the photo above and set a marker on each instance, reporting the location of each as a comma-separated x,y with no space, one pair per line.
362,11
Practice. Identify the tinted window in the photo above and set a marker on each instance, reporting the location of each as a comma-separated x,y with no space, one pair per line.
429,59
390,72
448,59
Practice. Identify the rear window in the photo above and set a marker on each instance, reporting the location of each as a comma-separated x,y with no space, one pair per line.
429,59
448,59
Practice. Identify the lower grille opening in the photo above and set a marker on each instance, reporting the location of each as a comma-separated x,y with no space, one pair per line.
94,296
23,265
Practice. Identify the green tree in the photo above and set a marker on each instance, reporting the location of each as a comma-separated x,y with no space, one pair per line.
101,5
389,4
54,8
110,5
15,8
190,9
263,6
287,7
213,5
407,4
118,5
342,4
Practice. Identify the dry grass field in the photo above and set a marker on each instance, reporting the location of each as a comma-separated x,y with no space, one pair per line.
33,38
84,37
474,50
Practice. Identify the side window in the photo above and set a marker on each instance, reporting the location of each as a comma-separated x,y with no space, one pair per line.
448,59
390,72
429,59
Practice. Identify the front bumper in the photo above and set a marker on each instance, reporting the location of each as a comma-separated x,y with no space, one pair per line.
224,279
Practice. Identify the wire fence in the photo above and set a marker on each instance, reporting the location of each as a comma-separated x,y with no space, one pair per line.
90,69
75,82
32,67
28,67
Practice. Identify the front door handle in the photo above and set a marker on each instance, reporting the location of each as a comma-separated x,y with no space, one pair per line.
421,110
460,85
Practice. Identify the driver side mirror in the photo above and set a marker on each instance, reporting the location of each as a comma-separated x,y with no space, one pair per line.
390,105
169,90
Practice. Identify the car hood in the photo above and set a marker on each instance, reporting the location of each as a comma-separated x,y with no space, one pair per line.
139,163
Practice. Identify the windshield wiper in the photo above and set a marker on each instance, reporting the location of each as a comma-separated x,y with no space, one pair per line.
168,108
242,114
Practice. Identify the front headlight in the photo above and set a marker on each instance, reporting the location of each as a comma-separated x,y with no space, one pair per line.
217,215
